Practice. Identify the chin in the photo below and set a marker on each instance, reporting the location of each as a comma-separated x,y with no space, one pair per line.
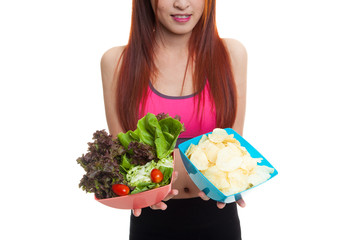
181,30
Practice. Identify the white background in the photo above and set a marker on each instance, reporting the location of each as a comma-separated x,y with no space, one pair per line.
302,115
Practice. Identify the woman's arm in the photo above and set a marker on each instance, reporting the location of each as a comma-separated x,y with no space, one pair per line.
238,56
108,64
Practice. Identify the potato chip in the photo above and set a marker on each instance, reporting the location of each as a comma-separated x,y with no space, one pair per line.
244,152
190,150
227,160
230,138
237,143
204,144
235,149
199,159
218,135
220,131
217,177
227,164
203,139
248,164
238,180
211,164
211,151
260,175
220,145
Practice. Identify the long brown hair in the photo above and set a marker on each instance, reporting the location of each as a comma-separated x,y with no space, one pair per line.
206,49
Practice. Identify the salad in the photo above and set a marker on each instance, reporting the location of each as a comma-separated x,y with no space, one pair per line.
135,161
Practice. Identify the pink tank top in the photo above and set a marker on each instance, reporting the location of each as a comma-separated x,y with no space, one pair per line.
184,107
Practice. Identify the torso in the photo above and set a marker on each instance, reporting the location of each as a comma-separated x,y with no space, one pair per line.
169,82
186,187
184,106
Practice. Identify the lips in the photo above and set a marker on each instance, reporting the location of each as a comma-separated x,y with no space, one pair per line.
181,17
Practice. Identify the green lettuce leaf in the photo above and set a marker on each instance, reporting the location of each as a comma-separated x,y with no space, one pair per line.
145,132
161,134
129,136
125,165
148,147
144,187
167,172
165,165
171,130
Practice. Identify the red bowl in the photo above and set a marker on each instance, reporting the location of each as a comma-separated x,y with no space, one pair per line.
139,200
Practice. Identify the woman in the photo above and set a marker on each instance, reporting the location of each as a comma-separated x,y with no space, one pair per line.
176,63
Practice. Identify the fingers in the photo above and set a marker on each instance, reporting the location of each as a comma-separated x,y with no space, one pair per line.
159,206
241,202
206,198
171,194
203,196
137,212
220,205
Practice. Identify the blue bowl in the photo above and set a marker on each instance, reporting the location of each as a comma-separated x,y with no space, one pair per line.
203,183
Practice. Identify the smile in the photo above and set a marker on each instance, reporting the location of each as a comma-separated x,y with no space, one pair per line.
181,18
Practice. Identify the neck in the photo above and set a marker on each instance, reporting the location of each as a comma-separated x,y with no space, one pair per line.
171,42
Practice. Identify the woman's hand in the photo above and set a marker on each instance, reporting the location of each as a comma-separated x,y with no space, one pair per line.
160,205
221,205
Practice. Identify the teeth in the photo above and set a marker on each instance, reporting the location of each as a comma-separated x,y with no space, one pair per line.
181,16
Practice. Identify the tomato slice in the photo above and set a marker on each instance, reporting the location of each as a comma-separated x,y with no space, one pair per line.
156,175
120,189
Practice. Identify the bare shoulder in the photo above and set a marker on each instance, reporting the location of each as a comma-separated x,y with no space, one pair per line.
238,56
236,49
109,61
112,53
